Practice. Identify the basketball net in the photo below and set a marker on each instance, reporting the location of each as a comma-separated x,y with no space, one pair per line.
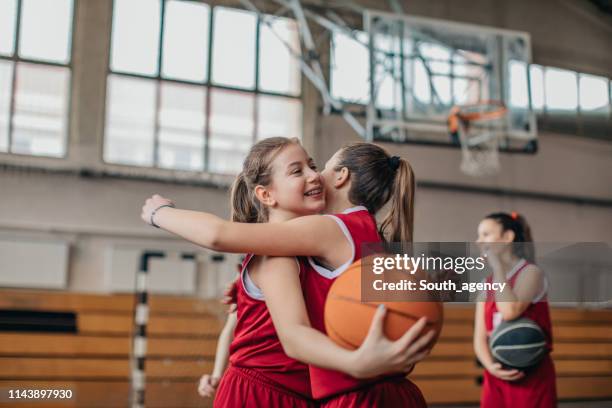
479,128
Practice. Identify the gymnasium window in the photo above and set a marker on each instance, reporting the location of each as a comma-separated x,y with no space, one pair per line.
35,58
194,86
554,91
453,81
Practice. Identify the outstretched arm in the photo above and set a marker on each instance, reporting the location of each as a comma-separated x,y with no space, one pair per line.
314,235
281,287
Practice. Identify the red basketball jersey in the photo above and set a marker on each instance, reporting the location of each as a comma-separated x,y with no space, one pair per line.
256,345
359,226
538,388
537,311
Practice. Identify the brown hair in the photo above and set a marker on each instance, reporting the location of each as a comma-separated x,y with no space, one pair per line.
255,171
377,178
522,232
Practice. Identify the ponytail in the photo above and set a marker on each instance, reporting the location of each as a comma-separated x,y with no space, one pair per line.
377,178
243,206
522,233
528,249
398,224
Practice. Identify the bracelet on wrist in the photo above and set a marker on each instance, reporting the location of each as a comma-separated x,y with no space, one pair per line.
152,218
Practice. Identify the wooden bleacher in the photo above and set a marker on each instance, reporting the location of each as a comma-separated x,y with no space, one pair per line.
94,362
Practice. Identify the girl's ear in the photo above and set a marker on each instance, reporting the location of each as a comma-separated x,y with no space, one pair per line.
341,177
263,195
508,236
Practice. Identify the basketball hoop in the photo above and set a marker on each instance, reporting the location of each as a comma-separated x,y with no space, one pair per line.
479,128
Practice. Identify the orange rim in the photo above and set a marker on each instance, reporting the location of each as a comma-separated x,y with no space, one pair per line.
460,112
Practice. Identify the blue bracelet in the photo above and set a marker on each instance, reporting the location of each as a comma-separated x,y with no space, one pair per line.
156,210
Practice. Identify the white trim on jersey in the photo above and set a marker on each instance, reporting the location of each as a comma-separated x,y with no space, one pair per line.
516,268
326,273
354,209
251,289
544,291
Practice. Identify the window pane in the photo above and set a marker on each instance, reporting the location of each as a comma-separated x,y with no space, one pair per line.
442,87
421,85
594,93
279,70
436,57
278,116
388,92
519,96
471,78
234,48
561,89
185,54
6,76
46,30
181,126
130,121
466,91
136,25
8,17
41,110
536,77
350,69
231,130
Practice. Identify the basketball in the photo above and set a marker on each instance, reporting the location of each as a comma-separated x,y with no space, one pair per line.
347,319
519,344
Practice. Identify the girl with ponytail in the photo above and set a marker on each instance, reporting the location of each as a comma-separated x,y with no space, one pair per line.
359,180
507,244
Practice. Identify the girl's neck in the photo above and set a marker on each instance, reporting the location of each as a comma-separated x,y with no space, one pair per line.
276,215
336,205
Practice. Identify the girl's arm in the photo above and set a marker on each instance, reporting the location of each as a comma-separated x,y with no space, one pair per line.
314,235
223,345
208,382
512,302
281,287
481,348
481,345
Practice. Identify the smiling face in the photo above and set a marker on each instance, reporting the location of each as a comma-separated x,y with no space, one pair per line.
296,188
492,232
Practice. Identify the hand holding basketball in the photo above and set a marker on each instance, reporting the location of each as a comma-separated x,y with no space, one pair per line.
378,355
507,375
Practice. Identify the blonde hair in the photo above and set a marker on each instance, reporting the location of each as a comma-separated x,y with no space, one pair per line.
255,171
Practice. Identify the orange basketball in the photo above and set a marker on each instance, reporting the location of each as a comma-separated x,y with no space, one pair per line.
347,319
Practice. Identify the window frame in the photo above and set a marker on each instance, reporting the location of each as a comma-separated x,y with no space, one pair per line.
16,59
208,84
543,114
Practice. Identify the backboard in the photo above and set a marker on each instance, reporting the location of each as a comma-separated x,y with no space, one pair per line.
420,68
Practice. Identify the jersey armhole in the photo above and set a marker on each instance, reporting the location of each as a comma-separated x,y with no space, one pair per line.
329,274
251,289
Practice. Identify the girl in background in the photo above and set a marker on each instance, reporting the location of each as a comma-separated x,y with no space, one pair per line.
523,296
360,179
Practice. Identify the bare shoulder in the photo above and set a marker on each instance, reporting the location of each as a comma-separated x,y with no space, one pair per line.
532,272
279,263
